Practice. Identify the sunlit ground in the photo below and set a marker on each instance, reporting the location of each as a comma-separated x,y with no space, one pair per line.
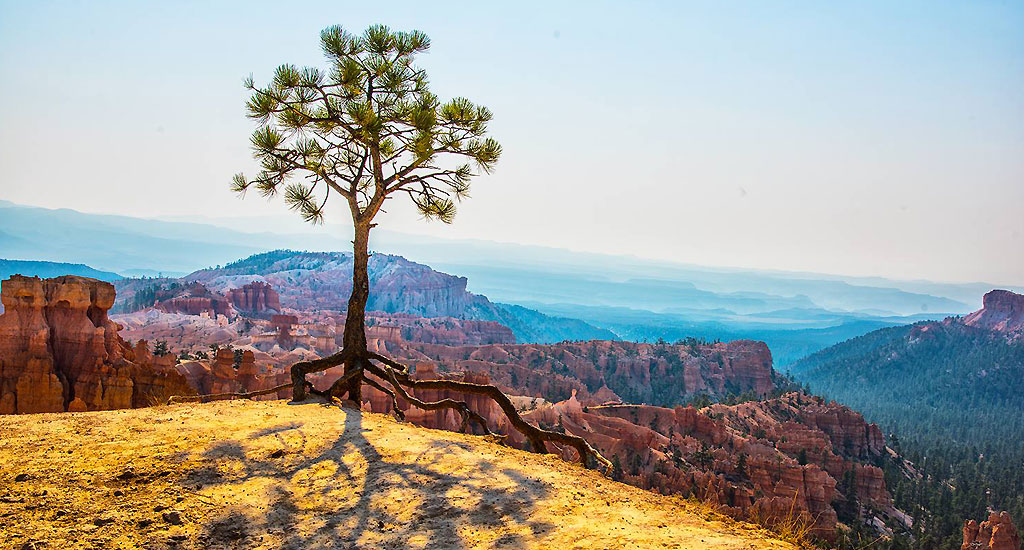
272,475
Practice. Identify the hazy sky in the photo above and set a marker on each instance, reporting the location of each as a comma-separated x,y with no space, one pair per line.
863,138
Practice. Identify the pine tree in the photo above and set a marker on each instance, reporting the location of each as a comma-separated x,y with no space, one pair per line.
160,348
741,465
617,472
365,129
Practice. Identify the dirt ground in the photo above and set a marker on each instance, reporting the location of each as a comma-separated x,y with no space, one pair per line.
272,475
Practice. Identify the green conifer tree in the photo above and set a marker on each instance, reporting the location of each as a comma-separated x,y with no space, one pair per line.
365,129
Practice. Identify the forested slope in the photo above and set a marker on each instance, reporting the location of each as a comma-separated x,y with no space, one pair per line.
954,396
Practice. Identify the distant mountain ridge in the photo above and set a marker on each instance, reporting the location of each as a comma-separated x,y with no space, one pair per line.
635,298
123,243
497,269
789,339
45,270
316,281
940,378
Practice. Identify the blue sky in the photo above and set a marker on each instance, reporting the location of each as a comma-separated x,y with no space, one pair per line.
863,138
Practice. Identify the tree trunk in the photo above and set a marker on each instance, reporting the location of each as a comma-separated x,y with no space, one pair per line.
355,317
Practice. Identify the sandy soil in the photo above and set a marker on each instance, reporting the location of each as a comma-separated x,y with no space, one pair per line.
273,475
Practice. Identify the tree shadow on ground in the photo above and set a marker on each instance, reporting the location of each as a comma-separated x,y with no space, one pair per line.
348,495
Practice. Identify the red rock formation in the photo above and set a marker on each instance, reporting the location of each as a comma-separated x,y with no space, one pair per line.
997,533
255,298
690,452
198,374
447,331
283,325
377,336
283,321
248,375
218,376
315,331
600,371
195,305
59,351
221,376
310,281
194,299
399,328
1002,311
144,357
223,370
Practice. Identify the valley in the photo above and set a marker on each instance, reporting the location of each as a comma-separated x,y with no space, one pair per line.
606,297
950,393
708,420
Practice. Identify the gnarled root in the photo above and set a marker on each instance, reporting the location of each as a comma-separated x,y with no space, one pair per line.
468,415
395,374
589,456
301,369
300,387
398,376
339,387
394,400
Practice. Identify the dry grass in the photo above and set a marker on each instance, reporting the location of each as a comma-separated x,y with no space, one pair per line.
272,475
795,527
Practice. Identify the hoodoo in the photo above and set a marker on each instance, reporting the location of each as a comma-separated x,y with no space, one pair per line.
996,533
60,352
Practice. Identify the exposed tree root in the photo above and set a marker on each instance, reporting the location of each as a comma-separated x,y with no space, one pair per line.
468,415
301,369
395,374
310,366
537,437
394,400
338,388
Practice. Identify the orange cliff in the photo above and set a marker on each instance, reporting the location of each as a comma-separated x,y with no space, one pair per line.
255,298
60,352
1002,311
225,375
996,533
795,448
600,371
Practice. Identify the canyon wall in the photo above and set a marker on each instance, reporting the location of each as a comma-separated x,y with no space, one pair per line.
795,458
308,281
1002,311
60,352
996,533
312,282
255,298
599,371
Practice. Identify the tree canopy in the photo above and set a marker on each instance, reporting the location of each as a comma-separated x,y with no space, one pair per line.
365,128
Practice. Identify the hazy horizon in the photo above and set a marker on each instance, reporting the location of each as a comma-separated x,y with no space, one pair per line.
793,137
405,244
